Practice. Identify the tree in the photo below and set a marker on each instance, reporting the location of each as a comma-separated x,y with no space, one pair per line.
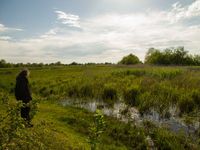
171,56
2,63
153,56
130,60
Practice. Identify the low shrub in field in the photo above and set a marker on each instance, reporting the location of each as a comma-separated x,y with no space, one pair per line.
44,91
145,102
109,92
196,97
165,73
165,139
135,72
73,91
186,104
130,95
96,129
132,137
86,91
15,136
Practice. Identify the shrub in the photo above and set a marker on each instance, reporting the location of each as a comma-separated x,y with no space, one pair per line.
109,93
130,60
15,136
86,91
73,91
132,137
130,95
186,104
196,97
96,129
44,91
136,73
144,102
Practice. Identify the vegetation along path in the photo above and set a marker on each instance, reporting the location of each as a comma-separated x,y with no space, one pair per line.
147,88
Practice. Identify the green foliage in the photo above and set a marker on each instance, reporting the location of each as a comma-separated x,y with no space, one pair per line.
130,60
86,91
196,97
153,56
73,91
186,103
131,136
171,56
109,93
15,136
147,88
96,129
164,139
130,95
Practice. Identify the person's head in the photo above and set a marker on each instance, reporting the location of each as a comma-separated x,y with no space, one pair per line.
24,73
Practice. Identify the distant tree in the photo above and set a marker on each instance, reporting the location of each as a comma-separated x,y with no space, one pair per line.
90,63
153,56
2,63
171,56
108,63
130,60
74,63
196,59
58,63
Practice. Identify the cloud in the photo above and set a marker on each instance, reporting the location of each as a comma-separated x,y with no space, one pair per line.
68,19
107,37
3,28
178,12
5,38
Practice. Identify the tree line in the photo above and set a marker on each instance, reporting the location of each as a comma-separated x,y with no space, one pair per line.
169,56
4,64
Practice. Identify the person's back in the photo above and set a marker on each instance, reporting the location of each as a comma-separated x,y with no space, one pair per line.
22,92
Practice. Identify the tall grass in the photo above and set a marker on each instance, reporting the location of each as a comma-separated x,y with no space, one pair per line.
146,88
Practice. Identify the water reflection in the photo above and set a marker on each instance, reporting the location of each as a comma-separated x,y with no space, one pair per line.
122,112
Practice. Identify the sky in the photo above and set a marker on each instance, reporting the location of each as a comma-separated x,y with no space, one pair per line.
95,30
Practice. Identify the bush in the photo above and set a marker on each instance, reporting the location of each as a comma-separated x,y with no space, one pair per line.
171,56
96,129
73,91
15,136
109,93
196,97
86,91
132,137
130,60
145,102
44,91
130,95
186,104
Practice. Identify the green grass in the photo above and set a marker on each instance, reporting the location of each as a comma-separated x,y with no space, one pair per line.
145,87
52,113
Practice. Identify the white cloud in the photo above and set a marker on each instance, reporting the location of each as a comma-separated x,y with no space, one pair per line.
5,38
107,37
68,19
3,28
179,12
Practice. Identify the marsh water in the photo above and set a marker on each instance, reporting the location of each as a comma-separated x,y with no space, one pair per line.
120,111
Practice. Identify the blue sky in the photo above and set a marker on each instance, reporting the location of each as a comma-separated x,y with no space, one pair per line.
95,30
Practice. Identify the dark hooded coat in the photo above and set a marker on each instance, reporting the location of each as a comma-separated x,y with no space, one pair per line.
22,91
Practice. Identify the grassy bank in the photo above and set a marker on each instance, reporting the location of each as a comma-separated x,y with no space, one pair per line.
144,87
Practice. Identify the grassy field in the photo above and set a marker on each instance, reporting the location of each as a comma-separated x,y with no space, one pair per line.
146,88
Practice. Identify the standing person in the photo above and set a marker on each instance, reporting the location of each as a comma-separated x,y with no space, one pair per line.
22,92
